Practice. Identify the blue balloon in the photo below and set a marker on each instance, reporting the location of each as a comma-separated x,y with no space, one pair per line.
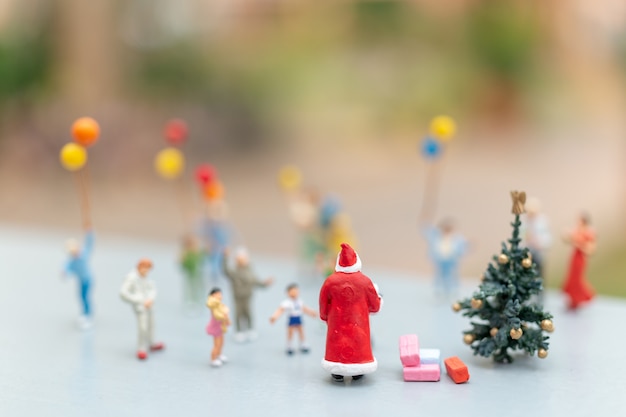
431,148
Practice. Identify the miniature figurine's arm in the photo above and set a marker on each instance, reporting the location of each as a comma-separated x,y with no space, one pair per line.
374,300
309,311
152,292
67,269
88,244
128,293
589,247
225,268
324,303
264,283
277,314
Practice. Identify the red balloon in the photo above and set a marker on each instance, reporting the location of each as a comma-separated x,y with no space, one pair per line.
176,132
205,174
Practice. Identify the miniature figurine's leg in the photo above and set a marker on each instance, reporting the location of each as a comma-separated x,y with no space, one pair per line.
188,291
289,338
142,327
239,307
337,378
150,328
217,347
84,296
304,348
216,262
197,289
247,315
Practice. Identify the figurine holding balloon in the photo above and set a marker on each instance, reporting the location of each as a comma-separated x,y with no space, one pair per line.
73,157
215,227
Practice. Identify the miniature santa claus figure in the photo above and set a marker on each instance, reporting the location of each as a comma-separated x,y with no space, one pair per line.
346,300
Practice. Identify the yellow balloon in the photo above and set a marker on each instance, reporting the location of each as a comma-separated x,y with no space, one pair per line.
73,156
289,177
169,163
443,127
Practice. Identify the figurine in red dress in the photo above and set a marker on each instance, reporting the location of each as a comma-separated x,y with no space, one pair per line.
583,239
346,300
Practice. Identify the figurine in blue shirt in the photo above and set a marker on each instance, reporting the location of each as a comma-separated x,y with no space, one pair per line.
446,247
78,266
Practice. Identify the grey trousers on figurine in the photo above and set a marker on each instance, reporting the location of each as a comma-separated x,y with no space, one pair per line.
243,318
145,327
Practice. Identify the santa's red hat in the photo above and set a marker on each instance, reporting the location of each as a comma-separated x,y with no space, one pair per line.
348,260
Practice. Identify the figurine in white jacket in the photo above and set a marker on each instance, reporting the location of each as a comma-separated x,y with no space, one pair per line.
140,292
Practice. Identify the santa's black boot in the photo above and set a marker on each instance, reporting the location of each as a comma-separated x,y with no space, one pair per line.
337,378
357,377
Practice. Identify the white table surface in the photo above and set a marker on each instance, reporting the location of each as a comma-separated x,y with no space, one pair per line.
49,368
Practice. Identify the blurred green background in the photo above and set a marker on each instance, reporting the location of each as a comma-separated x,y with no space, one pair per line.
343,89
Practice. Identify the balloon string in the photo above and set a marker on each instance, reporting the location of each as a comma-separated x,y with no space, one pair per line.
82,185
181,195
431,190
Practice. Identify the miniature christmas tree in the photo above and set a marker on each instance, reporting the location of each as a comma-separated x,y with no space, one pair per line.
506,318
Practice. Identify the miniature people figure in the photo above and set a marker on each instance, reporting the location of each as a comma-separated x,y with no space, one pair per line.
243,281
78,265
140,293
216,232
304,212
191,262
446,247
347,297
583,240
295,308
536,235
217,326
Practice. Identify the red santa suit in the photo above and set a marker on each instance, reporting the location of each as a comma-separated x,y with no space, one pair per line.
346,300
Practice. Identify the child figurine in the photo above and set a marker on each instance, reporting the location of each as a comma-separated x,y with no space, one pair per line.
216,232
191,262
243,281
446,248
347,298
140,292
217,326
583,239
294,308
536,237
78,265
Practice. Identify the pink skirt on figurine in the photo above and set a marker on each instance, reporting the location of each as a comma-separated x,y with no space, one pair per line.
214,328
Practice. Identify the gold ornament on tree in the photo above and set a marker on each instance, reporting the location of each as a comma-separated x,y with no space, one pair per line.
516,333
519,199
468,339
476,304
503,259
527,262
542,353
493,332
456,307
547,325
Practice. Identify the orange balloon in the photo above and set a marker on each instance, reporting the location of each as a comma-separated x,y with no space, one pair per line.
214,191
85,131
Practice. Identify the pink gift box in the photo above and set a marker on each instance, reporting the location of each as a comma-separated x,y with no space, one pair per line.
409,350
423,373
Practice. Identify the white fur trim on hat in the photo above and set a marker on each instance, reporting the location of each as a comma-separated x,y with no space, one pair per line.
348,269
349,369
